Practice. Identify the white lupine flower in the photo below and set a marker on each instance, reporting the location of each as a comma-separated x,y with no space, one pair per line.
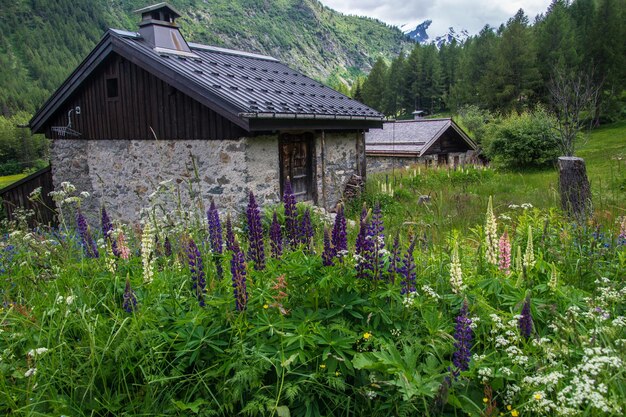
529,256
456,273
147,251
491,235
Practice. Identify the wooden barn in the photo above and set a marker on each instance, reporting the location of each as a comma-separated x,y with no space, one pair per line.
148,107
426,141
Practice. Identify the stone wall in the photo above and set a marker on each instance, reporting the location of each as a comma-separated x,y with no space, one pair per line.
126,174
130,175
336,161
377,164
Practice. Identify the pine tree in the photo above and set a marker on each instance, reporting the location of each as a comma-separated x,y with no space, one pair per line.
374,86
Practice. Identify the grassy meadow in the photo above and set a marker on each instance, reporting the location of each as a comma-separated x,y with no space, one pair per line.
465,306
10,179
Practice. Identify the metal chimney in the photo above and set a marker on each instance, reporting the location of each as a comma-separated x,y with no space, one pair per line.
159,29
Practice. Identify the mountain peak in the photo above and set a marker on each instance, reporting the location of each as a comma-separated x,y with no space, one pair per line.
420,35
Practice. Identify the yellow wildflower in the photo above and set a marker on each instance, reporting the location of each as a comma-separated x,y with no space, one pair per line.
514,413
265,306
485,400
537,396
367,335
508,407
322,366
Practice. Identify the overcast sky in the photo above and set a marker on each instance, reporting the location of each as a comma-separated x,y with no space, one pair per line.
460,14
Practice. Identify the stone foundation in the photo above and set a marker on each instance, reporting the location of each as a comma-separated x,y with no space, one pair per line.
125,175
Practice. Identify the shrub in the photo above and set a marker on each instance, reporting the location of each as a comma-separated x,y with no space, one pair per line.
525,140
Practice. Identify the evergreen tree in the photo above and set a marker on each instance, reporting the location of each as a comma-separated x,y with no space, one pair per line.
374,86
556,44
392,99
515,74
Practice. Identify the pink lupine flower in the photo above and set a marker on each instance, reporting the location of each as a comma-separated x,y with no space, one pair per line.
505,253
122,247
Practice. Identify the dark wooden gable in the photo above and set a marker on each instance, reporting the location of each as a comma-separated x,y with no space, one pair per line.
120,100
449,141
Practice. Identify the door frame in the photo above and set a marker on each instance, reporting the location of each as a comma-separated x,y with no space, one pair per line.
309,138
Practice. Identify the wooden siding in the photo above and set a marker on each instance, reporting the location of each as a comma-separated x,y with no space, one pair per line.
16,196
449,142
144,103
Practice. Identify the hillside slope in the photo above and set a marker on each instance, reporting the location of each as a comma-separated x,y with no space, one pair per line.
43,40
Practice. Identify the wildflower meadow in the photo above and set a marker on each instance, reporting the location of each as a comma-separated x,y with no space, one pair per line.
291,311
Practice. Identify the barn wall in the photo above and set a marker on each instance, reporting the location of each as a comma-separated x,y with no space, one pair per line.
124,174
146,107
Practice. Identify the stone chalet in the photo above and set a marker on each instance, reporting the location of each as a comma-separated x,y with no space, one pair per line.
148,106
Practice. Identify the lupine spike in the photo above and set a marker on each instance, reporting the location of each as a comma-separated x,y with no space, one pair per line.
463,339
306,230
147,252
276,238
328,254
88,242
456,273
408,270
491,235
291,215
196,268
238,271
107,231
215,235
230,235
364,249
395,260
505,253
167,246
377,234
526,320
130,299
122,246
339,237
529,255
256,250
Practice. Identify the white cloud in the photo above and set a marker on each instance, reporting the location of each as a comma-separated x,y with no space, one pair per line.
460,14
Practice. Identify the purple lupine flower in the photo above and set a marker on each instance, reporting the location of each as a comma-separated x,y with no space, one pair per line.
329,251
291,216
167,246
130,300
306,232
407,270
256,250
394,260
238,271
230,235
364,249
215,235
377,235
196,268
526,320
107,231
339,237
463,339
276,238
87,241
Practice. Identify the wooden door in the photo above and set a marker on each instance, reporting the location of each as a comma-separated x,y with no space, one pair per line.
442,159
296,163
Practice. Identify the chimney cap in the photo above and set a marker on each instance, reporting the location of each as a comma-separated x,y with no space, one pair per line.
163,5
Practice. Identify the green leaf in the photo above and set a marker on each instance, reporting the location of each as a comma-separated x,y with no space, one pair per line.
283,411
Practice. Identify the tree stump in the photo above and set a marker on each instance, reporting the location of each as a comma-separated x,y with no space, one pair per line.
574,187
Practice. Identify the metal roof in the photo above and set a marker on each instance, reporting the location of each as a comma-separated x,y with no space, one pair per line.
410,137
255,91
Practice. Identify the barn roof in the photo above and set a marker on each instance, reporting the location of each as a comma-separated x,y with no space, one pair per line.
411,137
256,92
